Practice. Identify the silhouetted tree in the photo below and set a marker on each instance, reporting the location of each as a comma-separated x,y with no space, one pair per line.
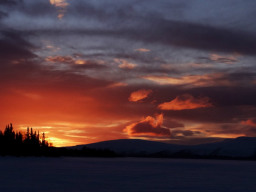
9,134
12,143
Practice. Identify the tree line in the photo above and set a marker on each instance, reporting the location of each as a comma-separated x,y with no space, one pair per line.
32,143
19,144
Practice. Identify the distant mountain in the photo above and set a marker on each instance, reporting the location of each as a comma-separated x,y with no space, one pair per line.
133,146
242,147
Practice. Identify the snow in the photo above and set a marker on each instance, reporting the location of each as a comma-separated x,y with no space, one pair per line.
125,174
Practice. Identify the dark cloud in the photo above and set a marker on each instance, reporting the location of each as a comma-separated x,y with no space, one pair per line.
213,115
30,75
231,95
126,21
198,36
21,68
13,46
2,14
8,2
172,123
178,34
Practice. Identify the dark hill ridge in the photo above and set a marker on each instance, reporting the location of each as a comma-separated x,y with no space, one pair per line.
241,147
135,146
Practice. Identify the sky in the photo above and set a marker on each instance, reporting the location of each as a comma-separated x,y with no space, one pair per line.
84,71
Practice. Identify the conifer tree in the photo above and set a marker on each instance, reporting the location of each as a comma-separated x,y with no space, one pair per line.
14,143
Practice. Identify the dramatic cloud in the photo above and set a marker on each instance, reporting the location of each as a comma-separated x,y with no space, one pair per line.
149,126
185,102
14,47
139,95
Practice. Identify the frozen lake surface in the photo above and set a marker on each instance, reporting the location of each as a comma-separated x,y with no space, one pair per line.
125,174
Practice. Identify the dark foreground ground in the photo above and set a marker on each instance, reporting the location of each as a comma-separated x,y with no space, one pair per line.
125,174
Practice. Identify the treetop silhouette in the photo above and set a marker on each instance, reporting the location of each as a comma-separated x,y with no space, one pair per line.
15,143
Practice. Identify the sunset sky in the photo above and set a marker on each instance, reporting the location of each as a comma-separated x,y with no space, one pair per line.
84,71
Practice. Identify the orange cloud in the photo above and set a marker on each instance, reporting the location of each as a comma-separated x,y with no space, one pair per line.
185,102
149,126
191,80
60,59
250,122
139,95
123,64
66,59
143,50
118,84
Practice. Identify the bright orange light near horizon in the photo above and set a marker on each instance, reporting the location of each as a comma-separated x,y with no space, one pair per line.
59,142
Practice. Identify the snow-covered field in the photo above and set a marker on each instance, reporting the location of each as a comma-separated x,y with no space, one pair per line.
125,174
